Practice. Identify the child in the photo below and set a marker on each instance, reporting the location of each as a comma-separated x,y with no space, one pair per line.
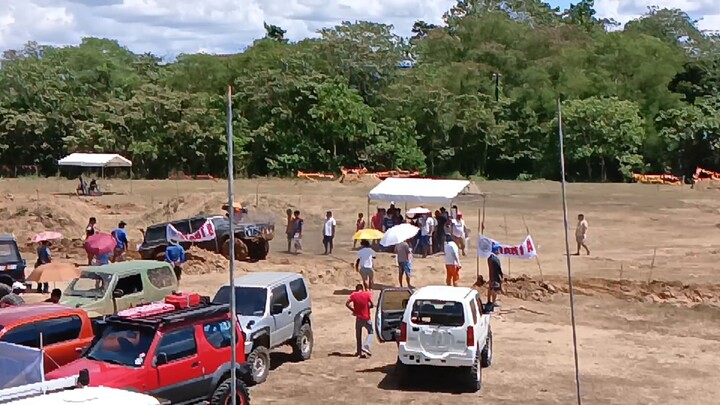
359,226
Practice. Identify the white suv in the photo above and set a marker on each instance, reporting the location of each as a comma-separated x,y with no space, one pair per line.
436,326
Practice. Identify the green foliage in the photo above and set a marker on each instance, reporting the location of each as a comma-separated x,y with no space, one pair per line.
639,99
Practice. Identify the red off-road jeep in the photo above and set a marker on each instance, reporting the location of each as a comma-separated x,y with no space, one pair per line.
180,355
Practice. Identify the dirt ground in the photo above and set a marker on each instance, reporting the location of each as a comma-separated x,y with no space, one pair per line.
648,296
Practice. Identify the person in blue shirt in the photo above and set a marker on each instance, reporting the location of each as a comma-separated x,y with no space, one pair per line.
122,242
102,260
44,257
175,255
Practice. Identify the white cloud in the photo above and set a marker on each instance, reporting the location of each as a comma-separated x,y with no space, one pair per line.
173,26
168,27
706,11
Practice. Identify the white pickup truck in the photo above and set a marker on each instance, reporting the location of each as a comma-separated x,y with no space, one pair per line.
436,326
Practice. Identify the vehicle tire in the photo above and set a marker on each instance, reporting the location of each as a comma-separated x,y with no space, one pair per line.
241,249
487,351
401,373
222,394
259,362
303,343
474,375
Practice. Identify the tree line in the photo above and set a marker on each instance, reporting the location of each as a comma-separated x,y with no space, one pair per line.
474,97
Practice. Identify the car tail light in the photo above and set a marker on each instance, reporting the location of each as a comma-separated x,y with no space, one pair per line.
470,336
403,332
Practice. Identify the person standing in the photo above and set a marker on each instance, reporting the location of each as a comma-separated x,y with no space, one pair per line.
458,231
90,231
121,241
297,231
404,259
359,226
44,257
360,303
495,276
364,264
426,232
90,228
581,235
452,263
175,255
329,232
290,229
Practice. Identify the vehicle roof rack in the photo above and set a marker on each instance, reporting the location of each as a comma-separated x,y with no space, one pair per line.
176,316
44,387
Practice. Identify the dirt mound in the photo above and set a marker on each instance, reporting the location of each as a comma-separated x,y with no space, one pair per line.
201,261
669,292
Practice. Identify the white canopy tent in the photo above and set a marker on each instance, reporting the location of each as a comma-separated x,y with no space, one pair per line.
94,160
419,191
101,160
427,191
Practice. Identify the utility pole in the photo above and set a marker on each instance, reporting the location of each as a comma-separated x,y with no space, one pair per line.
497,76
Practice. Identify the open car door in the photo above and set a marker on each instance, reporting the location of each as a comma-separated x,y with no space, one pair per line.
389,313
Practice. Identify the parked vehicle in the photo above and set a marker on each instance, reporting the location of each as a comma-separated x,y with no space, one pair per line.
11,261
181,355
436,326
61,332
274,309
72,390
251,238
114,287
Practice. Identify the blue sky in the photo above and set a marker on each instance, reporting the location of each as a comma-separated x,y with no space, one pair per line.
169,27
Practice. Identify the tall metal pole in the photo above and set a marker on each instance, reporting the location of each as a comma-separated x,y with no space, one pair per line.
231,219
567,255
497,86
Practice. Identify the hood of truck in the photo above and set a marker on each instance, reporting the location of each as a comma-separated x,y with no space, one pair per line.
101,374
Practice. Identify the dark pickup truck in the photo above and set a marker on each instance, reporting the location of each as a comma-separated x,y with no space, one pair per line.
11,261
252,239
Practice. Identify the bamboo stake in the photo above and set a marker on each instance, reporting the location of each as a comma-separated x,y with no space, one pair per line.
652,265
537,258
506,238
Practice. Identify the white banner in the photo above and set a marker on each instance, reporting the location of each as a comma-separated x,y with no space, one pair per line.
525,250
205,233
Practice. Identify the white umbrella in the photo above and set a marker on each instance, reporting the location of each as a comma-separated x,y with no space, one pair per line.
418,210
398,233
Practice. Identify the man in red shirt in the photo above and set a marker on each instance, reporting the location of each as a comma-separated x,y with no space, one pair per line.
361,301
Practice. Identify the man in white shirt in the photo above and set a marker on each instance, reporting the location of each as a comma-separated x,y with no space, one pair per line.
581,234
452,263
329,232
364,264
426,232
458,232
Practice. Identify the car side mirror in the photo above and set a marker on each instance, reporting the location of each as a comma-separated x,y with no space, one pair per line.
118,293
161,359
277,309
250,324
487,309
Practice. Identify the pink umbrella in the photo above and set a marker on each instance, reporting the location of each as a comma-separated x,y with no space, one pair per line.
47,235
100,244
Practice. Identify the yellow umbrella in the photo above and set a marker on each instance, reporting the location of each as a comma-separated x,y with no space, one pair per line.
368,234
54,272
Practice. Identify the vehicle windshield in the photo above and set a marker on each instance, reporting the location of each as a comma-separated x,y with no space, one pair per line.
91,284
9,253
156,233
126,345
249,301
437,312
